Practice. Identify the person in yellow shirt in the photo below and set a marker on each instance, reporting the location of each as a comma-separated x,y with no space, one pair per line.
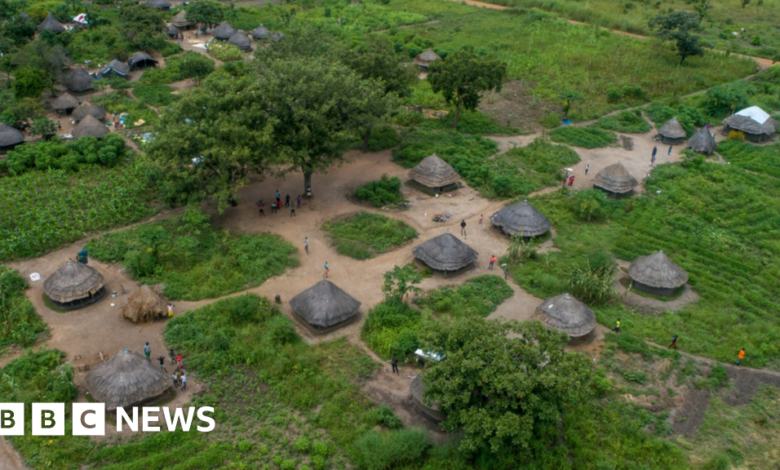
616,329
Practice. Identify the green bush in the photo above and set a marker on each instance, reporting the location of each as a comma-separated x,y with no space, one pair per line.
364,235
478,296
155,95
382,192
630,122
420,143
57,154
391,329
302,445
225,52
764,159
384,450
471,122
20,322
383,137
587,137
385,416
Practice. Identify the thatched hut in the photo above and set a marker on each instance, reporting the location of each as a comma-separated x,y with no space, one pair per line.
261,33
754,122
223,31
141,60
445,253
241,41
672,132
567,314
79,81
173,31
657,274
89,126
126,380
426,58
65,103
9,137
434,173
703,142
74,285
115,68
615,179
89,109
143,305
418,398
521,219
180,21
163,5
51,25
325,307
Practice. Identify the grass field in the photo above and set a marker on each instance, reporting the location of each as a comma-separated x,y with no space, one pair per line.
365,235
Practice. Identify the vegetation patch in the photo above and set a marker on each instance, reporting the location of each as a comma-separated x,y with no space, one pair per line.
765,159
420,143
155,95
629,122
383,137
58,154
365,235
586,137
385,191
19,322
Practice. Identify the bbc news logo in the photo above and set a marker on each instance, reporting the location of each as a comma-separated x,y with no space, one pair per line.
89,419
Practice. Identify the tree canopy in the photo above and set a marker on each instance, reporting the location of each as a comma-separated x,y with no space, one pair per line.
30,82
679,26
206,12
141,25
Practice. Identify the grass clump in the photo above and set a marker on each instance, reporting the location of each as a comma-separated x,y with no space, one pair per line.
20,322
586,137
155,95
381,192
384,450
365,235
629,122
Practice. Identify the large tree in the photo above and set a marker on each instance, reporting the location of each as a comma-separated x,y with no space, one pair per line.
679,27
53,59
30,82
463,76
141,25
502,392
208,12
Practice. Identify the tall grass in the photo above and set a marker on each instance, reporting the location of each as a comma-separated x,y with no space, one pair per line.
365,235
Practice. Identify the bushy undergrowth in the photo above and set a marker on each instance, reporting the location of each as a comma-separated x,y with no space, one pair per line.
134,110
383,137
225,52
381,192
630,122
365,235
384,450
764,159
478,296
471,122
155,95
689,117
193,260
58,154
19,322
179,67
586,137
420,143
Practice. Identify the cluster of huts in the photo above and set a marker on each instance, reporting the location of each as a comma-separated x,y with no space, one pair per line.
240,39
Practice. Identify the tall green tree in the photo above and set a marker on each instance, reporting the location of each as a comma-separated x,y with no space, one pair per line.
52,58
30,82
141,25
207,12
463,77
400,281
503,393
679,27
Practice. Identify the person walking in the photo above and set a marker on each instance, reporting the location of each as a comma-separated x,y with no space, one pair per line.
273,207
506,274
170,312
616,329
287,201
178,376
292,210
652,160
480,219
571,181
148,352
587,167
463,227
740,356
670,150
172,356
492,262
673,344
162,363
184,381
175,379
327,271
299,200
394,363
179,361
306,245
278,195
260,207
655,151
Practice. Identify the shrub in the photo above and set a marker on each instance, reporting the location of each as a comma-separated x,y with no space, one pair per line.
245,446
320,448
587,137
631,122
302,445
385,416
391,329
381,193
736,135
589,204
383,450
383,137
56,154
318,462
156,95
20,322
225,52
551,121
723,99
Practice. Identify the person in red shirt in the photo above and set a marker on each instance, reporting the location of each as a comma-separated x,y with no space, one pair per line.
492,262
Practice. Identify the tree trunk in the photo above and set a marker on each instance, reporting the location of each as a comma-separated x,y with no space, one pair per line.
366,138
457,115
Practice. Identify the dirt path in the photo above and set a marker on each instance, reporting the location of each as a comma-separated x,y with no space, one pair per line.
9,457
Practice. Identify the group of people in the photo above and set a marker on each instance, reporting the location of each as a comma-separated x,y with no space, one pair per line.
179,375
276,205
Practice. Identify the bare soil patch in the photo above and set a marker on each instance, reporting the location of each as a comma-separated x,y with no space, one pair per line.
515,106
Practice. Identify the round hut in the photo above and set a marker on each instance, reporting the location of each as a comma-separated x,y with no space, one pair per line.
261,33
445,253
79,81
89,126
521,219
65,103
126,380
566,314
657,274
223,31
672,132
615,179
9,137
143,305
115,68
754,122
418,396
74,285
173,31
180,21
426,58
325,307
241,41
159,4
89,109
141,60
51,25
434,173
703,142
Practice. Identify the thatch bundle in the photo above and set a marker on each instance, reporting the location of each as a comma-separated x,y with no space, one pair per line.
754,122
241,41
521,219
141,60
89,109
567,314
65,102
433,172
89,126
223,31
657,274
425,58
51,24
79,81
159,4
143,305
261,32
324,305
672,132
125,380
418,396
703,142
615,179
73,283
9,137
445,253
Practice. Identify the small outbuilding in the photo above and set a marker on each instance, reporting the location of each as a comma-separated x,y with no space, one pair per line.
173,31
143,305
89,109
241,41
127,380
261,33
79,81
754,122
657,274
566,314
223,31
9,137
180,21
74,285
141,60
434,173
325,307
163,5
51,25
65,103
672,132
417,388
615,179
521,219
445,253
115,68
89,126
426,58
703,142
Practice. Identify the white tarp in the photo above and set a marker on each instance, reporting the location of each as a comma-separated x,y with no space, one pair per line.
755,113
80,18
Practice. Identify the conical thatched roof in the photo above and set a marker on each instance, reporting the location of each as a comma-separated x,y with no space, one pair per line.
159,4
115,66
672,130
434,172
241,41
90,126
324,305
71,282
89,109
51,24
223,31
9,136
143,305
567,314
615,179
752,120
657,270
79,81
261,32
180,20
140,58
703,142
65,101
418,393
125,380
445,253
521,219
426,57
172,30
